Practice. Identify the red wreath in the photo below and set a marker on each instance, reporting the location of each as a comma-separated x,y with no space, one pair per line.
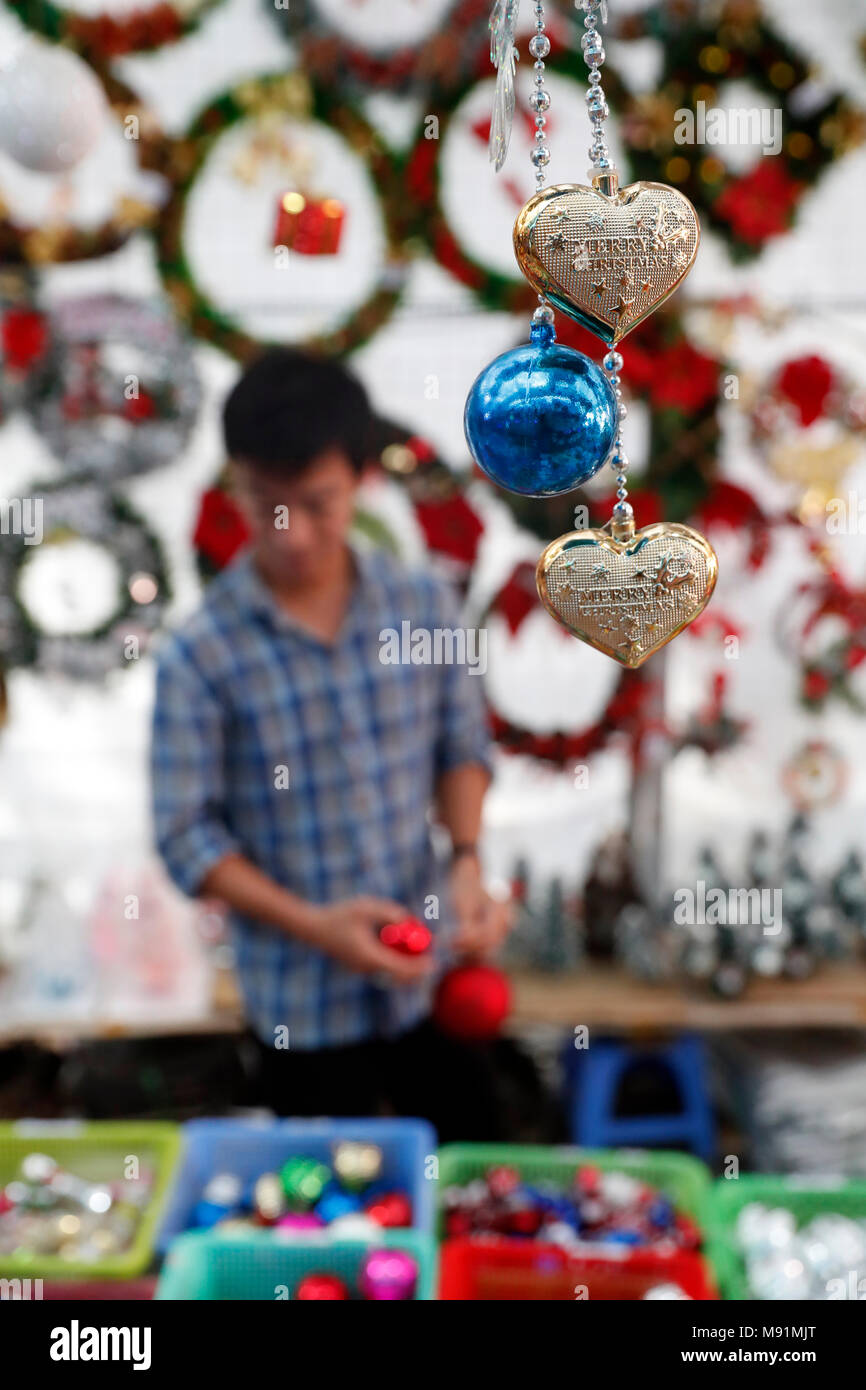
623,714
827,672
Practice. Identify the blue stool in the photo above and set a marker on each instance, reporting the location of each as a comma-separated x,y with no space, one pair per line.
594,1078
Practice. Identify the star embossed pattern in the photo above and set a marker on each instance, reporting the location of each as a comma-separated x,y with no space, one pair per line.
609,261
614,255
628,602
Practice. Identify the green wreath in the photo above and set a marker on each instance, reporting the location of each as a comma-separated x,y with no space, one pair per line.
699,55
443,58
295,96
101,37
498,292
458,49
82,511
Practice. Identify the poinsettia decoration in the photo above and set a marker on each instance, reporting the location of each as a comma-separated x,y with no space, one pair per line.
831,641
24,346
712,729
704,50
220,530
734,508
24,338
451,526
517,598
760,204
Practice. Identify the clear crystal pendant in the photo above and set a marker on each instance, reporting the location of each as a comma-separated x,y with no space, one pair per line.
503,56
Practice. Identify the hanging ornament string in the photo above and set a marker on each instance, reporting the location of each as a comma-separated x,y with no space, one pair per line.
595,12
540,420
539,101
608,257
605,177
504,56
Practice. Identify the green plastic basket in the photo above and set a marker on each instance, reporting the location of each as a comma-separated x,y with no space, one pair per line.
95,1151
212,1266
683,1179
806,1198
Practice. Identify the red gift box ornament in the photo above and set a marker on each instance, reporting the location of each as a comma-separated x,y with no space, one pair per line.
309,226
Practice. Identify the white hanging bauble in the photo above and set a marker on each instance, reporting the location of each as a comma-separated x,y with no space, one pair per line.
52,108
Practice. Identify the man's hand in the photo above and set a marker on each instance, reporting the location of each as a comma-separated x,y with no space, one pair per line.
483,922
349,931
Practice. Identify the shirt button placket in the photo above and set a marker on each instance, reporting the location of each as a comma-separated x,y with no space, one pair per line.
351,737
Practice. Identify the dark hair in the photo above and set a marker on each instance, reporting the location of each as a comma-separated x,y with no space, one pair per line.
288,408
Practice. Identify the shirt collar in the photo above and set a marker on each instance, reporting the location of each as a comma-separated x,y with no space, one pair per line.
254,594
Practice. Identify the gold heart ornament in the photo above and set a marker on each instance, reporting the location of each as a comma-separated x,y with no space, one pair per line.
607,259
627,597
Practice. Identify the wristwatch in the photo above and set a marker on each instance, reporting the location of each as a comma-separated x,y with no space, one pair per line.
464,851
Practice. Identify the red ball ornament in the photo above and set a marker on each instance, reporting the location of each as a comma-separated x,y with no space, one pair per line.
520,1221
472,1001
688,1233
458,1223
503,1181
588,1180
391,1209
321,1288
408,936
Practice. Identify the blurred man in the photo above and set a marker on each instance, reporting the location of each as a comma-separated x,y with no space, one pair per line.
295,767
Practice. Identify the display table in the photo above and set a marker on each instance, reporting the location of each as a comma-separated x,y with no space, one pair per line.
607,997
599,996
223,1016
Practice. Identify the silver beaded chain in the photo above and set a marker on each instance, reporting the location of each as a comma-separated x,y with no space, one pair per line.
603,171
612,364
595,12
539,102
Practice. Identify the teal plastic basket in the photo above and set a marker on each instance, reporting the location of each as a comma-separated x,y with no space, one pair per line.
210,1265
98,1152
805,1198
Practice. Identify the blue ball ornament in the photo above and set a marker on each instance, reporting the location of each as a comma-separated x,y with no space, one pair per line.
541,419
335,1203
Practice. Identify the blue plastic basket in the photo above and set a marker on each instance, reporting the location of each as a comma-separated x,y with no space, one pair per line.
212,1266
249,1148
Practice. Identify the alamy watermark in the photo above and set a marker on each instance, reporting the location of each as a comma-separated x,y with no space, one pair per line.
77,1343
437,646
22,516
20,1290
846,516
742,907
738,125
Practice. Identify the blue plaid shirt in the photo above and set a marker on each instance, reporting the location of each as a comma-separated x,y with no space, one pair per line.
245,700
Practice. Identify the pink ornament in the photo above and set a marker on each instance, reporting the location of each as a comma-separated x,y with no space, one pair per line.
388,1276
300,1221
